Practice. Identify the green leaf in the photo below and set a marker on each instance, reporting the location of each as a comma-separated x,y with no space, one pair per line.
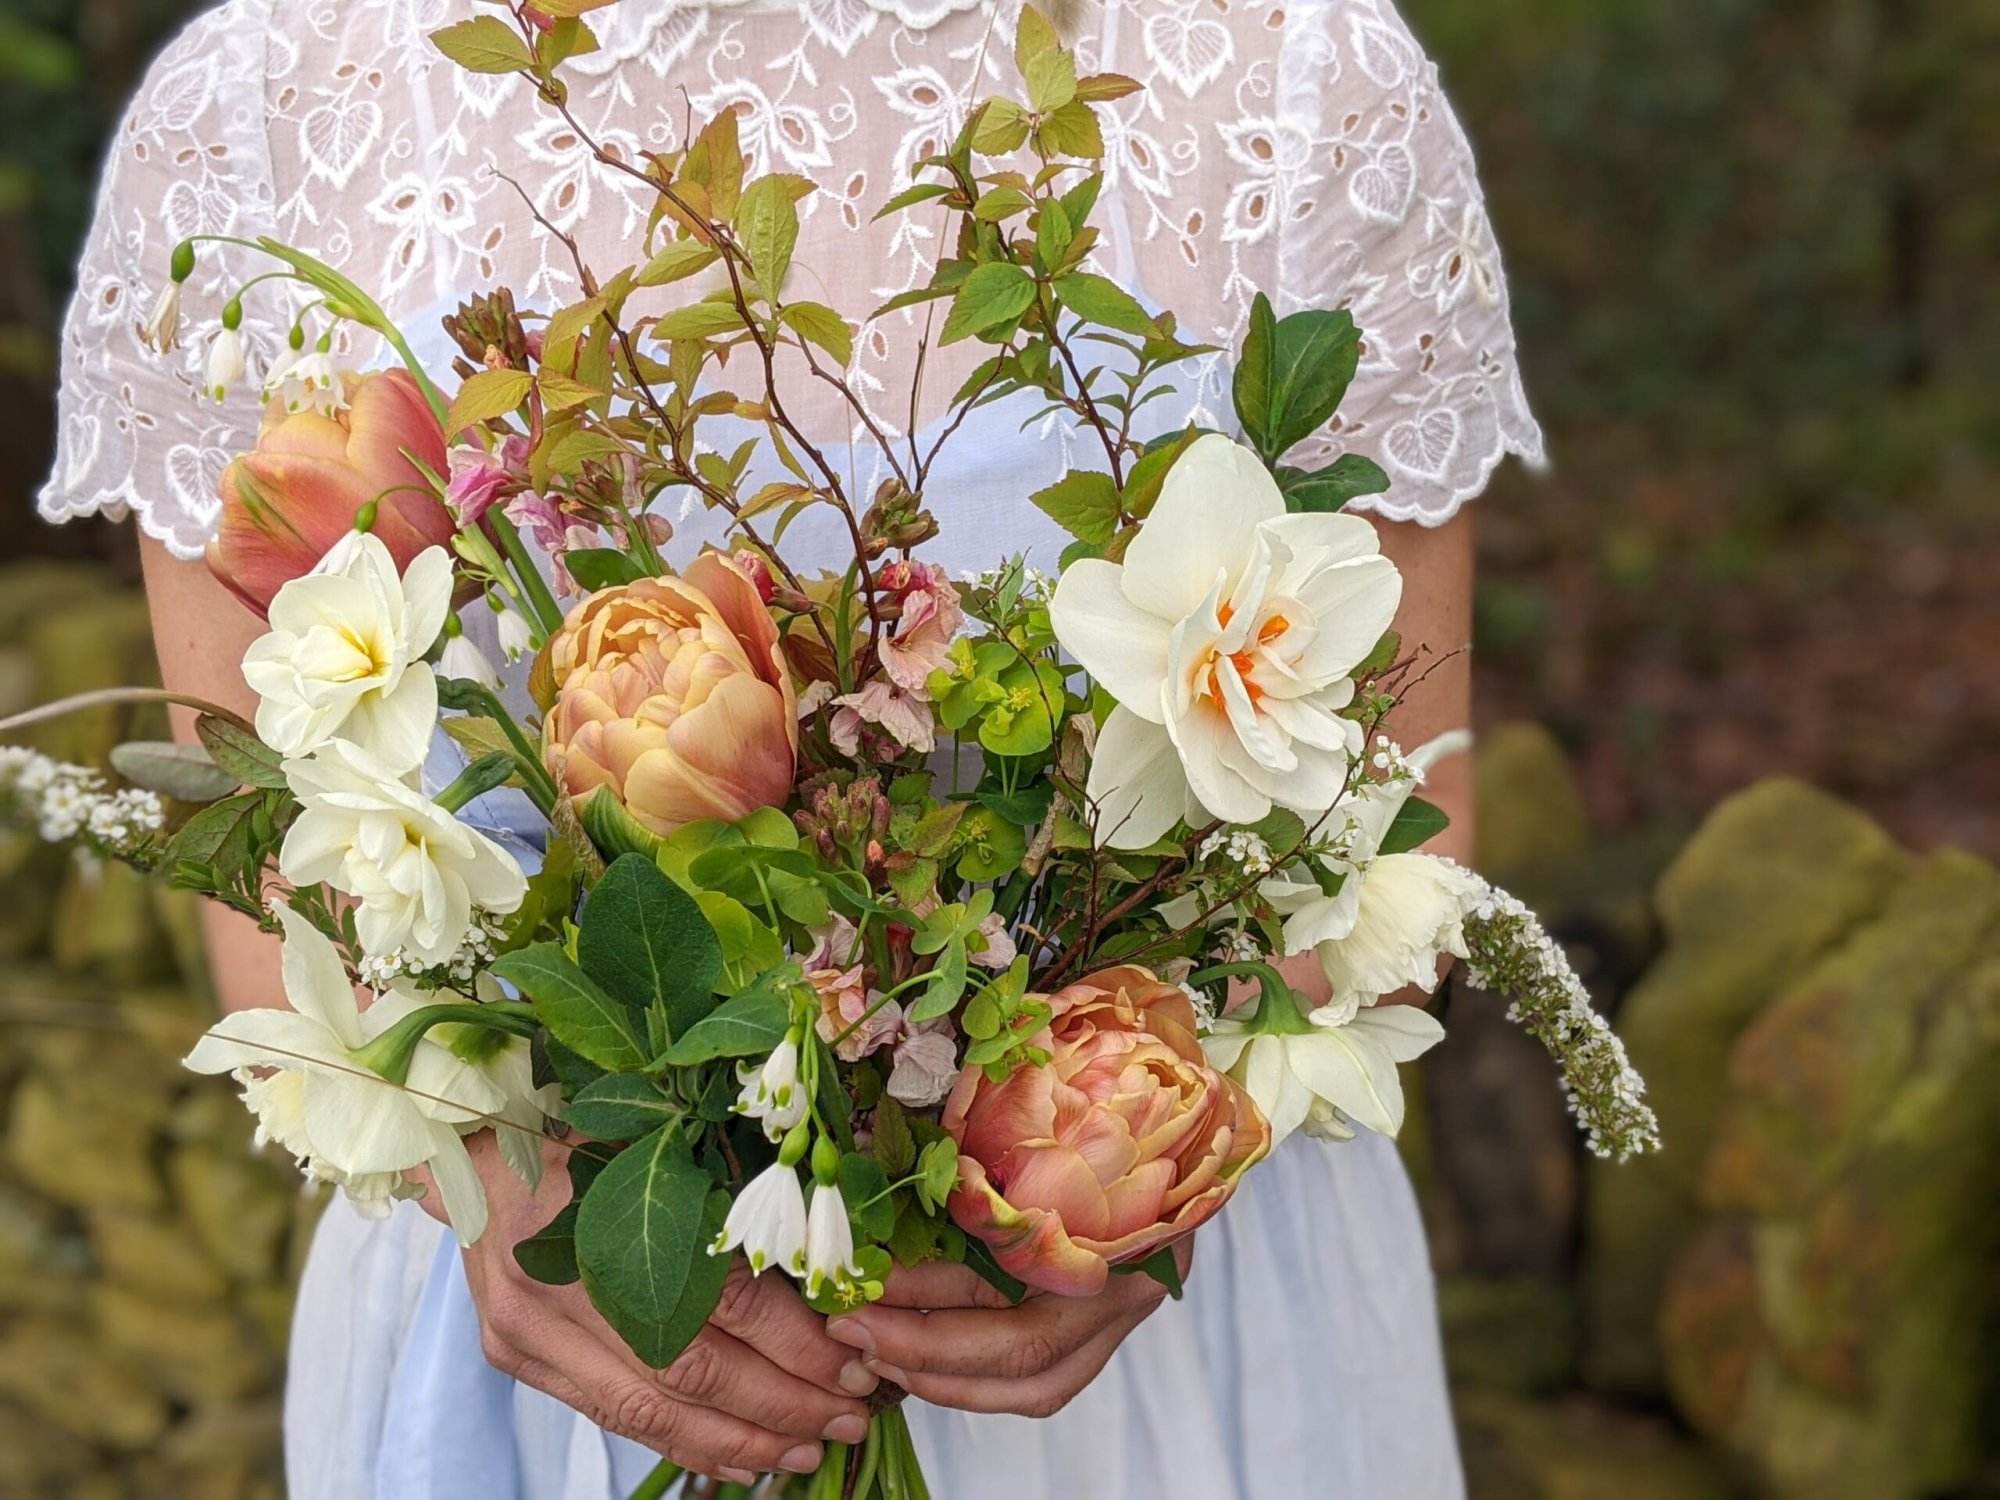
239,752
1293,374
1002,128
621,1107
699,320
1001,203
748,1025
865,1188
549,1255
821,325
1161,1266
947,984
221,835
892,1142
1102,88
489,394
601,567
1144,478
1098,300
485,44
609,824
186,773
592,1023
1084,503
1051,80
645,940
992,295
1053,235
1073,131
937,1172
1416,825
910,197
560,393
677,262
1325,490
1034,35
642,1238
767,221
980,1259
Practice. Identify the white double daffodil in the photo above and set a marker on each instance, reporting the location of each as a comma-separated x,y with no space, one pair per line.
1229,638
344,659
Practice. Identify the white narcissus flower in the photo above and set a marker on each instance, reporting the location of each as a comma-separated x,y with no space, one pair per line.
772,1093
1344,1056
415,870
829,1242
1229,637
1394,915
768,1223
344,659
346,1123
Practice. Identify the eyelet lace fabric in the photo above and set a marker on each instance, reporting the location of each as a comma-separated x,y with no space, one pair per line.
1305,149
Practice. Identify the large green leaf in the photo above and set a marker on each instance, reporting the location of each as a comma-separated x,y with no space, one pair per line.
642,1238
1292,374
748,1025
1084,502
621,1107
1099,300
1324,490
238,751
645,940
579,1013
994,294
549,1255
1416,825
767,220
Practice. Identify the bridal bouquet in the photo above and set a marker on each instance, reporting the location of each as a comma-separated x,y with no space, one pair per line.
868,915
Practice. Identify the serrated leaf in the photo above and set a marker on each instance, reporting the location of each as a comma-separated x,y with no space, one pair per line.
1034,34
699,320
992,295
621,1107
1416,824
1084,503
645,940
1102,88
1002,129
489,394
220,835
910,197
579,1013
239,752
1051,79
680,260
560,393
642,1238
569,323
1001,203
894,1147
485,44
1072,131
1100,300
823,326
767,221
186,773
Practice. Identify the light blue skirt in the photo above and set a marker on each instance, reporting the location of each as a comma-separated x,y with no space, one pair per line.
1304,1361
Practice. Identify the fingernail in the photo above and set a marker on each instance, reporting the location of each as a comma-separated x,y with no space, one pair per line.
857,1379
802,1459
889,1373
848,1429
737,1476
852,1332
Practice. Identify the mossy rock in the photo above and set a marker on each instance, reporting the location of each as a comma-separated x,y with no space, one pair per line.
193,1353
81,647
1514,1335
1775,878
1580,1449
106,925
1531,814
58,1377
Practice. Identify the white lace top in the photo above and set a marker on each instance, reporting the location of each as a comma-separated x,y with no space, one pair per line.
1300,147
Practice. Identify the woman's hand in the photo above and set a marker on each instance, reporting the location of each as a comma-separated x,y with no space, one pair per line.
756,1392
943,1334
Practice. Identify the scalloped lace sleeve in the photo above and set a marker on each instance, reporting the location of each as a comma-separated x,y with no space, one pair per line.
135,437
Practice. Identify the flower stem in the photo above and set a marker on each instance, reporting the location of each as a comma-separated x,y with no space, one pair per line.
657,1483
547,612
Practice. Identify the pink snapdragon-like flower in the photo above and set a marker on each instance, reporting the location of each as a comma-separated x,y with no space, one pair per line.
930,621
479,479
905,717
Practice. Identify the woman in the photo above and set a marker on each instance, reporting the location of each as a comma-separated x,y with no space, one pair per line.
1303,149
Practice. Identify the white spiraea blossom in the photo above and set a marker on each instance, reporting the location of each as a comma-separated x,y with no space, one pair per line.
1229,637
344,659
345,1122
417,873
768,1223
1343,1059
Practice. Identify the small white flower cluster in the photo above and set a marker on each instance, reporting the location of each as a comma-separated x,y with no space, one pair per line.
1035,584
1393,764
1241,946
473,957
1512,954
65,802
1205,1013
1245,850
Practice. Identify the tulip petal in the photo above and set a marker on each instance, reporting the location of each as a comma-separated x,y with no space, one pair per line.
1032,1246
1121,645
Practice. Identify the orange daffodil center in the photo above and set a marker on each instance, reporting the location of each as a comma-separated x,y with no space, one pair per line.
1229,638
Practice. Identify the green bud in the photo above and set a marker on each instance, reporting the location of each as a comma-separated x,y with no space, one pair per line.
793,1151
453,627
183,266
826,1161
232,314
364,518
298,338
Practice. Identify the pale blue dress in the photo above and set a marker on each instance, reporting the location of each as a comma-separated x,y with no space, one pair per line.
1301,148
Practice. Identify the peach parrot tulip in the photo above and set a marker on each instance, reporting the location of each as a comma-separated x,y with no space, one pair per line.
1123,1144
673,697
287,502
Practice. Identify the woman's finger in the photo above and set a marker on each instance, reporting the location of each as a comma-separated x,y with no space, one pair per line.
940,1283
1013,1343
767,1314
1040,1395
